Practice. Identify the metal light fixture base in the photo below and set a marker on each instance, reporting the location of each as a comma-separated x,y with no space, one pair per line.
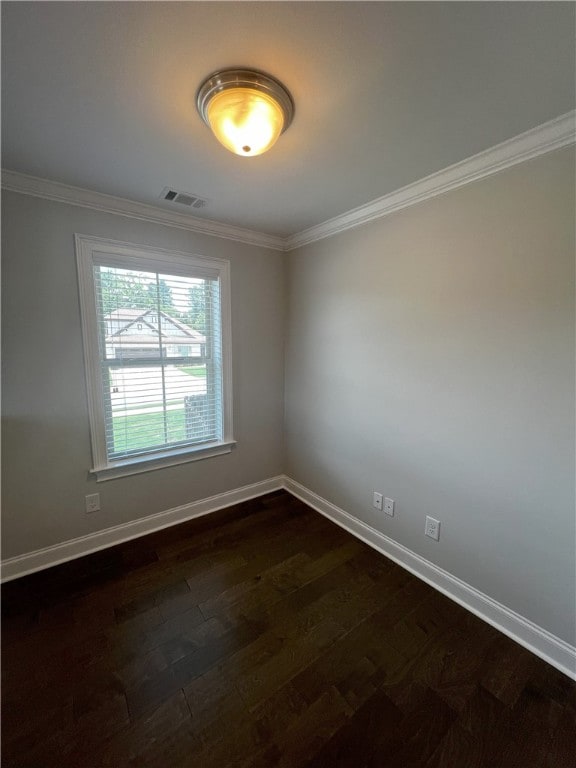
244,78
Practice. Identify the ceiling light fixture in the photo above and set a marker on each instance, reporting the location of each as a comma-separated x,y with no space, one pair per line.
246,110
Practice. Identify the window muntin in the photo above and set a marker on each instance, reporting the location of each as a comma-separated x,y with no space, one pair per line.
156,333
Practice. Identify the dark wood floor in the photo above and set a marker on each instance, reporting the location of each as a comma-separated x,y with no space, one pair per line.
265,636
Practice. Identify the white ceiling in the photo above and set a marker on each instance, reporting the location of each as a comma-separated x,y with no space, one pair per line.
101,96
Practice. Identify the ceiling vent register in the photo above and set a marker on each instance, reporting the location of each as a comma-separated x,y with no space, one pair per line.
183,198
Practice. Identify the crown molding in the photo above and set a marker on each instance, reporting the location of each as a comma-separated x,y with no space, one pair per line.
555,134
545,138
85,198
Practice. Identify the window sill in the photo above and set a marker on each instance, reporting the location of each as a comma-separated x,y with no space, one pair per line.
151,462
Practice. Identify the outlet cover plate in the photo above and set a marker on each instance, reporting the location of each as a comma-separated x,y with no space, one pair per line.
432,528
92,503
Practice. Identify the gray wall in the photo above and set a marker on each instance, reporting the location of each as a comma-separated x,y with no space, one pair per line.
430,356
46,441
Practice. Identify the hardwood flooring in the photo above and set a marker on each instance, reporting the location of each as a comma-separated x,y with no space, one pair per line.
264,636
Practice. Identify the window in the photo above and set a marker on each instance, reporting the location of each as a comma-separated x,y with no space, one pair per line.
156,330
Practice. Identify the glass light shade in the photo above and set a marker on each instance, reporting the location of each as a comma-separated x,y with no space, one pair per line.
246,121
247,110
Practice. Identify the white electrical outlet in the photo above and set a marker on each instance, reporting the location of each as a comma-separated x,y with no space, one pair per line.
377,500
92,503
432,528
389,506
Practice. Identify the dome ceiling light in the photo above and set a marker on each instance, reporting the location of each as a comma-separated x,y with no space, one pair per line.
245,109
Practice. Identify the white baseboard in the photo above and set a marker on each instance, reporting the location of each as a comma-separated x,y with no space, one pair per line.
552,649
539,641
22,565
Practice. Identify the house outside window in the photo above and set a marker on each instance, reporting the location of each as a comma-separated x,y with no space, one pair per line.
156,331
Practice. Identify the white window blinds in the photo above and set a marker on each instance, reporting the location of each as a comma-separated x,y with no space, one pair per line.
157,362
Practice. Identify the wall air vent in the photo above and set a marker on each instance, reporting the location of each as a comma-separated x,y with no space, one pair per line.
183,198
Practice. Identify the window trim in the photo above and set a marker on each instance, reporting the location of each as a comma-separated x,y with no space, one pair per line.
171,262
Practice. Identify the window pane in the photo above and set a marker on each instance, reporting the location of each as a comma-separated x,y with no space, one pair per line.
161,359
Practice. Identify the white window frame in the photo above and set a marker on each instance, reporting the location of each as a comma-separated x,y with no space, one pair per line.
91,251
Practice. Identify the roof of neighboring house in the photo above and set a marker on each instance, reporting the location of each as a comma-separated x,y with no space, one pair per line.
132,316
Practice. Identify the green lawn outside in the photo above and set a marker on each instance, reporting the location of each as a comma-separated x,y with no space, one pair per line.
125,428
195,370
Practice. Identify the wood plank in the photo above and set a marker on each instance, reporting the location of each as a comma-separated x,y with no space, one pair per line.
265,636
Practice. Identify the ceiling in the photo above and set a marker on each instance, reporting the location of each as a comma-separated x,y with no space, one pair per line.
101,96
